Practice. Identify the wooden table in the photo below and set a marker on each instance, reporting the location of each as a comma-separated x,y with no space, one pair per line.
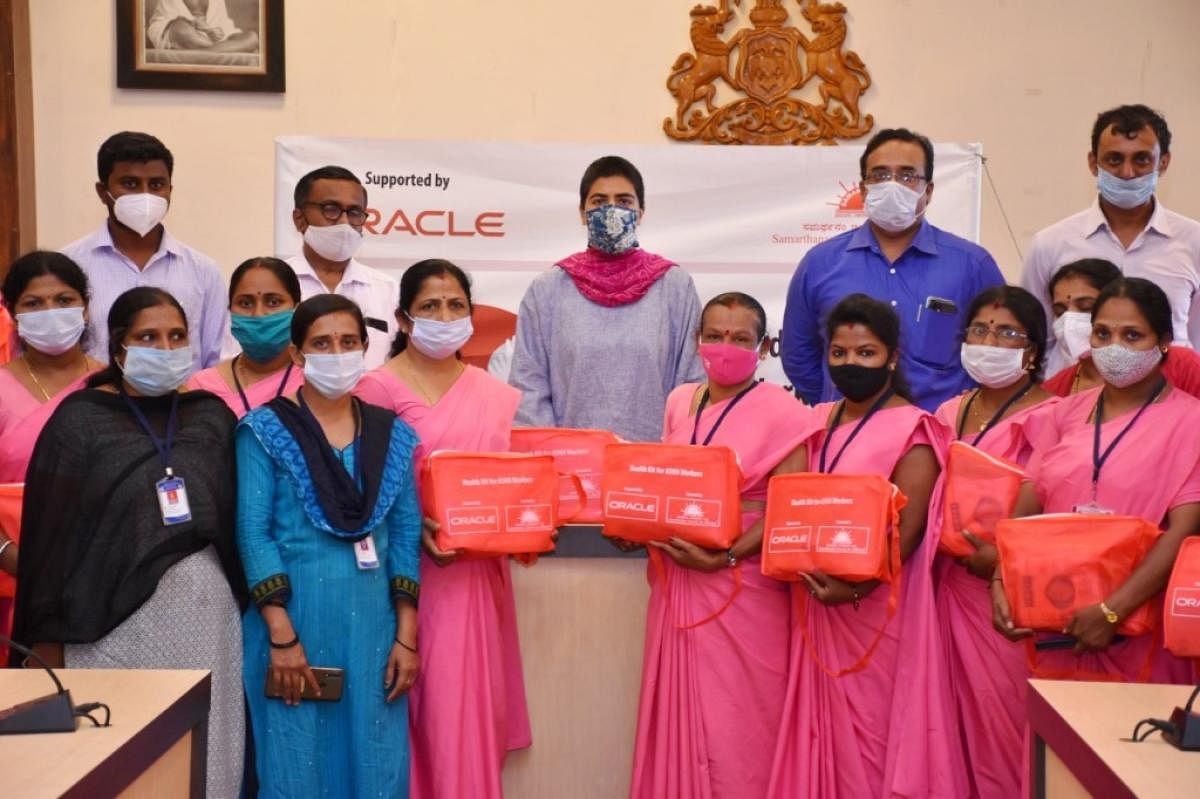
156,746
1079,746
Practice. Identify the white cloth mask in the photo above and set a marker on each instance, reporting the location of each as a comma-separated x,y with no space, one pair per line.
994,367
335,243
892,206
332,375
437,339
141,213
52,332
1121,366
1073,332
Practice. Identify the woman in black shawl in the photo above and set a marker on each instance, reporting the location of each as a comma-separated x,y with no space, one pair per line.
128,559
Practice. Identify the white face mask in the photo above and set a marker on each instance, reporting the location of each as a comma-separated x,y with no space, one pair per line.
332,375
1073,331
437,339
52,332
141,213
335,243
994,367
892,206
1121,366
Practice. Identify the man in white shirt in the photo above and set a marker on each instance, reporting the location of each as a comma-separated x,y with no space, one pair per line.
331,207
1127,225
132,248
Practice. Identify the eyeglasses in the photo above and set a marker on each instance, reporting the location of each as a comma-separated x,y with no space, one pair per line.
1006,336
910,179
333,212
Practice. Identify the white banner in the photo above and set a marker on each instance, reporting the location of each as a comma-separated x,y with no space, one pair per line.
737,218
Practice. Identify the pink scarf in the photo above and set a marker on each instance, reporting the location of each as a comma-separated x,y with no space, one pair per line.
612,280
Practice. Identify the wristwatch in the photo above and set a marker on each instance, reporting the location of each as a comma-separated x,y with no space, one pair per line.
730,558
1109,615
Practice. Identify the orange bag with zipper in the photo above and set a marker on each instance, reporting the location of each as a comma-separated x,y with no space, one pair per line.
980,490
1181,612
652,492
1055,564
578,453
492,503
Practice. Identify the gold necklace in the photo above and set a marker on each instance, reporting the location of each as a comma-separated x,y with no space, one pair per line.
417,380
38,383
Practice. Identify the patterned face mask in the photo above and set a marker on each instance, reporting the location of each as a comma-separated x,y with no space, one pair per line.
612,229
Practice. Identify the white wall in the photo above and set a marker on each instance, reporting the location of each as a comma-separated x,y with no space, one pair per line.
1024,77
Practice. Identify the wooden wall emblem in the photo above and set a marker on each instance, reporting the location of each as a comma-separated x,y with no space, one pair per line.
772,62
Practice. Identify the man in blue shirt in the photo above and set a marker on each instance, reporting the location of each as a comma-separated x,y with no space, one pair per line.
927,275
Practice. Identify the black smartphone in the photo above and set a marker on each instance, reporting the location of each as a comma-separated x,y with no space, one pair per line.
330,680
1065,642
941,305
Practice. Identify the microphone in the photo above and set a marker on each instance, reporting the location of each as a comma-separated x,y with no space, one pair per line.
1185,726
51,713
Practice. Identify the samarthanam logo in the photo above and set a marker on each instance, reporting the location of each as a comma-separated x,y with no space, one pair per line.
840,539
527,518
626,505
1186,602
471,521
850,202
789,539
693,511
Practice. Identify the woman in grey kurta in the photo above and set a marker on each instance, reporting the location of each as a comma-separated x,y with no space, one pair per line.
604,336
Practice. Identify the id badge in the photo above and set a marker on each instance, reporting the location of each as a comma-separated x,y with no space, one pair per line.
173,500
1092,509
364,553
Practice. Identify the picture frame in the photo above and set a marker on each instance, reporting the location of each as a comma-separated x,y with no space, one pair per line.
201,45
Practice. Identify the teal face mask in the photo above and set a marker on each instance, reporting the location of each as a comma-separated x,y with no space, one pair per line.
262,337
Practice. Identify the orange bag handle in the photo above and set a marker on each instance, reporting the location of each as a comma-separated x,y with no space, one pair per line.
656,559
896,566
1143,674
580,495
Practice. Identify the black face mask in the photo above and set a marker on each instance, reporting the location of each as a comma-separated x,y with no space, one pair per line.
857,383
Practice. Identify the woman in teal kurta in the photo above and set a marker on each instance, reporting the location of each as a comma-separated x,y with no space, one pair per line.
316,603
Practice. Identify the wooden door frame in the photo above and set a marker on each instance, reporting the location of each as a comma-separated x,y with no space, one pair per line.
18,220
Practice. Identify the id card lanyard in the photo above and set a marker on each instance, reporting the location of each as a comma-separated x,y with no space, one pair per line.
242,393
1098,458
837,418
721,418
171,490
1008,403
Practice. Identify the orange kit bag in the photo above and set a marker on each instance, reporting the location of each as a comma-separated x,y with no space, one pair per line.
981,489
841,524
11,495
1055,564
492,503
1181,612
575,452
653,492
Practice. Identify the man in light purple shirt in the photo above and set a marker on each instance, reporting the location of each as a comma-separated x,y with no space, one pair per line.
132,248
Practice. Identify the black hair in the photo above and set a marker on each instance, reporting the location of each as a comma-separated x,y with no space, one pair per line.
121,316
38,264
131,146
314,308
880,318
286,275
1029,313
607,167
1128,120
411,283
305,184
732,299
1150,300
896,134
1096,271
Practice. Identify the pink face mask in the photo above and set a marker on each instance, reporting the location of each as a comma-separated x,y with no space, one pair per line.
728,364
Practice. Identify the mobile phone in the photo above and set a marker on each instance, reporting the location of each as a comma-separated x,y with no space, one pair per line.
330,680
941,305
1065,642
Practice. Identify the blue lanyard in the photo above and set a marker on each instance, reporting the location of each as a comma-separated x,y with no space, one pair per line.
1099,460
162,445
837,418
1013,400
721,418
238,383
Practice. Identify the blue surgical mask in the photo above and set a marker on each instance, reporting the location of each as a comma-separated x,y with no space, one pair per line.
153,372
1124,193
612,229
262,337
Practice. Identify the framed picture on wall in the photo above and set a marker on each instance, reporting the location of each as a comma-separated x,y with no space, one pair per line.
210,45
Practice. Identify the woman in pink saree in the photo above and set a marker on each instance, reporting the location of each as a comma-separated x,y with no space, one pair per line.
467,708
1003,349
714,669
1147,464
47,293
263,293
860,721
